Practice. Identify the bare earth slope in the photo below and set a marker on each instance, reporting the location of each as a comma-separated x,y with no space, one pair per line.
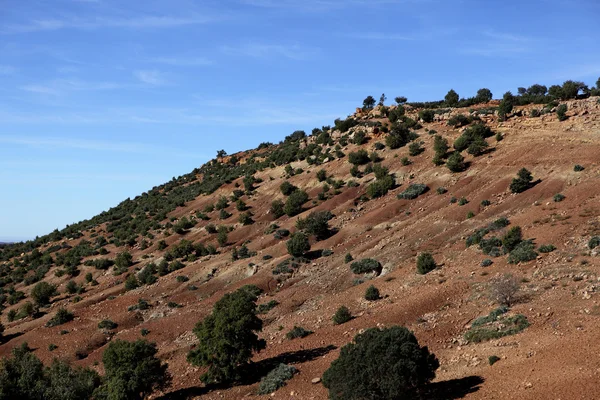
555,357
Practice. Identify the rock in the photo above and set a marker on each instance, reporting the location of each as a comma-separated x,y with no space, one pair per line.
314,381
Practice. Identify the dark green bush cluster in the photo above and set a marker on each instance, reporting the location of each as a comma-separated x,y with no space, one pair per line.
523,252
366,265
456,162
359,157
506,326
594,242
426,115
316,224
547,248
107,324
383,184
266,307
287,266
298,244
473,139
294,203
379,365
561,112
413,191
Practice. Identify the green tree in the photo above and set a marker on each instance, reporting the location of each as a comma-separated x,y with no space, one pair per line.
42,292
298,244
227,337
380,365
368,103
342,315
456,162
123,260
277,209
372,293
132,370
426,115
67,383
522,182
451,98
483,95
22,375
506,105
316,224
222,236
294,203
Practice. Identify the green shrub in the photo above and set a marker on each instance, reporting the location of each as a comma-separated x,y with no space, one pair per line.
485,203
62,316
535,113
287,188
470,214
52,347
441,190
559,197
297,332
227,337
293,204
321,175
561,112
486,263
123,260
456,162
359,138
42,292
415,148
413,191
507,326
107,324
380,365
425,263
512,238
405,161
360,157
372,293
547,248
463,201
348,258
132,370
182,278
380,187
594,242
266,307
316,224
277,209
523,252
366,265
342,315
298,244
522,182
131,282
276,378
578,168
427,115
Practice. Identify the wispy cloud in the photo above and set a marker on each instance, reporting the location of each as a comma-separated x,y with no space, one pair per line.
182,61
263,50
61,86
143,22
150,77
499,44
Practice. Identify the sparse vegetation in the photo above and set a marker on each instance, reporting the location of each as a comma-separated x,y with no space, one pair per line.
425,263
276,378
342,315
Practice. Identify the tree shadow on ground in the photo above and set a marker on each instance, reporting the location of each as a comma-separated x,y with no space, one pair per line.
252,373
453,389
7,338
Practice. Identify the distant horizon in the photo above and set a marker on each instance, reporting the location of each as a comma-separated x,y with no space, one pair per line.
13,239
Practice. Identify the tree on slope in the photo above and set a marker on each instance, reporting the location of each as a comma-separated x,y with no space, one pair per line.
227,338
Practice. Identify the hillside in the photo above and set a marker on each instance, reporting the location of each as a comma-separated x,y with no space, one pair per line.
176,226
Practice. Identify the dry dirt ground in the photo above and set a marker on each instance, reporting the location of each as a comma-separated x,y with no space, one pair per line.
556,357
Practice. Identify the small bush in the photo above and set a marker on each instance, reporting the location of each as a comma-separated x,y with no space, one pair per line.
463,201
441,190
360,157
522,182
470,214
485,203
508,326
415,148
456,162
276,378
287,188
547,248
413,191
525,251
427,115
486,263
144,332
365,265
266,307
372,293
297,332
107,324
62,316
348,258
561,112
578,168
293,204
342,315
594,242
559,197
425,263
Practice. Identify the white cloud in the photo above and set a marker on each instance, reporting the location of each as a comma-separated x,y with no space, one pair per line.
143,22
150,77
62,86
182,61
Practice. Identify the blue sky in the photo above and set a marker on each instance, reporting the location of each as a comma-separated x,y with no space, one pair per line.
101,100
